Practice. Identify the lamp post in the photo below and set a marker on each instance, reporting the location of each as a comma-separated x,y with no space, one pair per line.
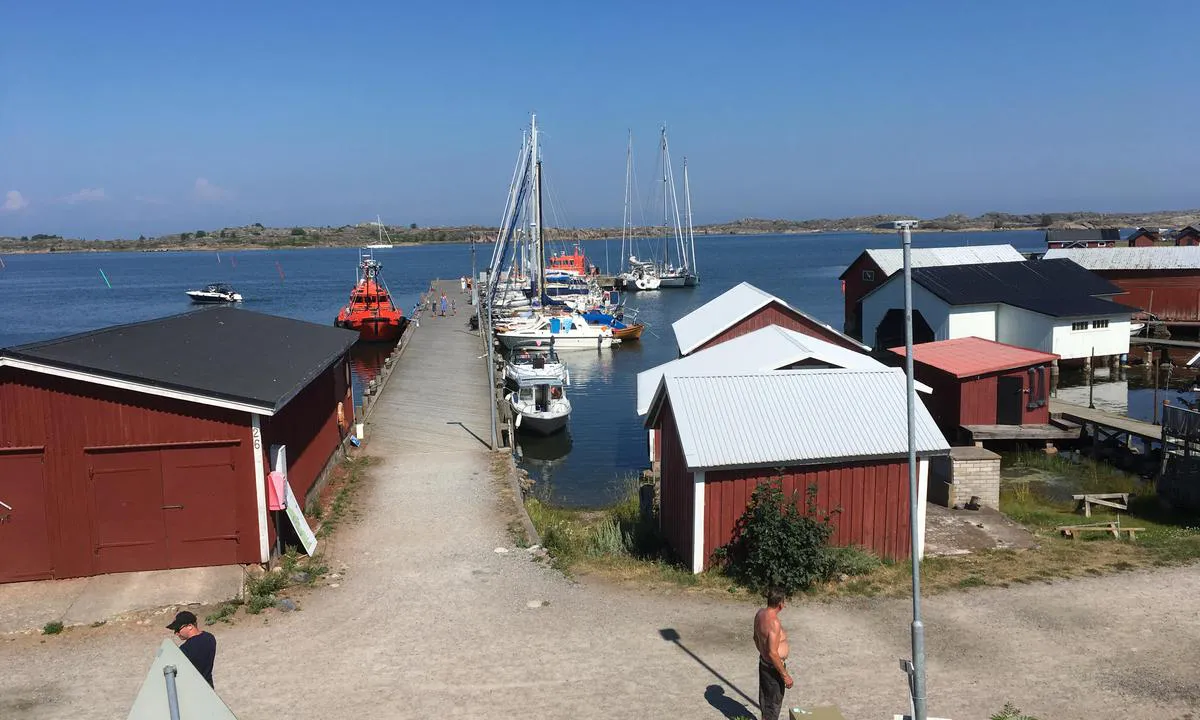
916,667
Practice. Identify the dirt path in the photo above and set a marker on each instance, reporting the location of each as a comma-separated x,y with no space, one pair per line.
430,620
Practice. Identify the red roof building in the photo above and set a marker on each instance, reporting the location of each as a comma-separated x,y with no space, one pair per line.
980,384
148,446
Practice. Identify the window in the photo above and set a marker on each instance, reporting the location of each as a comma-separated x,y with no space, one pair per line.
868,276
1081,325
1099,324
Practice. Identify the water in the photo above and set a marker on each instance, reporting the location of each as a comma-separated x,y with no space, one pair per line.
44,296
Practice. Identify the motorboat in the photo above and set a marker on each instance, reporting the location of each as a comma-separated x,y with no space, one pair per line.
621,329
569,332
215,293
371,311
533,361
540,405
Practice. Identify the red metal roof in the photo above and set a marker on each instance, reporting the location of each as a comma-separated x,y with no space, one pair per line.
971,356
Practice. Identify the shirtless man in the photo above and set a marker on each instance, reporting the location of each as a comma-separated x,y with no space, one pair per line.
772,644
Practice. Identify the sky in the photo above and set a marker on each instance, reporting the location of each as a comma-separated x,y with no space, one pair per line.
129,118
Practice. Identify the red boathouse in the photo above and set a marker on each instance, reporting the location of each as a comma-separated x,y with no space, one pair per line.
842,431
145,446
980,383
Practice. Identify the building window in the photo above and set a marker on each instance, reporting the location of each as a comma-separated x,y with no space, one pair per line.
1081,325
868,276
1099,324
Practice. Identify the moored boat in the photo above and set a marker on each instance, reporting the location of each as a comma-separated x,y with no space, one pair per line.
540,405
534,361
215,293
371,311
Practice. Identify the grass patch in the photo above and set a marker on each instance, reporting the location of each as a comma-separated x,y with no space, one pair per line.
347,483
54,627
224,613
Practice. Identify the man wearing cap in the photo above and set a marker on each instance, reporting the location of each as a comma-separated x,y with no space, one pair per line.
198,646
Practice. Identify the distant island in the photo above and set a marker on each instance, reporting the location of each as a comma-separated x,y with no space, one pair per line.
256,236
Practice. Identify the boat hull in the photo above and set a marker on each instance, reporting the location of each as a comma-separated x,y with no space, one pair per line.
539,423
629,332
560,342
673,281
214,299
372,329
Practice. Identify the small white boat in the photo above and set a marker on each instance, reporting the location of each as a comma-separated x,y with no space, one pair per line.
569,332
535,361
540,406
215,293
379,246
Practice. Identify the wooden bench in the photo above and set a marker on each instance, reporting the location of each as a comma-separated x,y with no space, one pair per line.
1114,528
1087,500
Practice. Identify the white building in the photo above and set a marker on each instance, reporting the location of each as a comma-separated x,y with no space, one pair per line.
1051,305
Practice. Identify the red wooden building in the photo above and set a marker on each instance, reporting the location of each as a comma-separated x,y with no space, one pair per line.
1162,281
1144,238
743,309
842,431
145,446
980,383
1083,238
874,266
1188,236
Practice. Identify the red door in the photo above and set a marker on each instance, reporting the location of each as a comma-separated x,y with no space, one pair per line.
199,490
24,531
125,490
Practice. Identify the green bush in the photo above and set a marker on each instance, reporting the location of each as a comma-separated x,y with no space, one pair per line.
1011,712
298,231
53,627
776,545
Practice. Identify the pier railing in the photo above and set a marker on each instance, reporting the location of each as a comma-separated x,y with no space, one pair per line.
1179,480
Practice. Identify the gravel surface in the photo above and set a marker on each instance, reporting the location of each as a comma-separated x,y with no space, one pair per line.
429,620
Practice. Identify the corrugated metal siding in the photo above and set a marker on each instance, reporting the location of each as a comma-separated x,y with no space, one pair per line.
775,313
308,427
676,488
1173,297
873,498
891,261
794,416
1130,258
67,416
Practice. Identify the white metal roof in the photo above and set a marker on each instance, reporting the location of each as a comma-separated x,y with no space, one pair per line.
1131,258
768,348
793,417
891,260
707,321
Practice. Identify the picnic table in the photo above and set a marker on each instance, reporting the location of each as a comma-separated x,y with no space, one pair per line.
1114,528
1116,500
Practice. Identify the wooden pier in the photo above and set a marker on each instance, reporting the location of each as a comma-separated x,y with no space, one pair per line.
1110,424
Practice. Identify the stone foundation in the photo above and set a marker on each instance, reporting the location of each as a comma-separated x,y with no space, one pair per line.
967,472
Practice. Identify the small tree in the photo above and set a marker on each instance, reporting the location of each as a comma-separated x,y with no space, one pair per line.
141,238
185,236
222,235
298,231
776,545
1046,221
201,233
412,226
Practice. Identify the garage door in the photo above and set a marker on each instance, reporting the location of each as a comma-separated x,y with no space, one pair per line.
24,527
159,509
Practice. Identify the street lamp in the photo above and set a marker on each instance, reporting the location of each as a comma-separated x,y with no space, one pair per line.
916,668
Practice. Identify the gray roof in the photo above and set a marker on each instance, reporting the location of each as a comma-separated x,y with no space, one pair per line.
891,260
725,310
1131,258
766,349
793,417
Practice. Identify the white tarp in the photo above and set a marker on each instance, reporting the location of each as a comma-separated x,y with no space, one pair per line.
197,699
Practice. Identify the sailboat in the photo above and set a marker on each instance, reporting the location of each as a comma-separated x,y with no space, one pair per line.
677,266
546,317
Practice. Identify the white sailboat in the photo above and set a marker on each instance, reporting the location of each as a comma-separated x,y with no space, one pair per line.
677,265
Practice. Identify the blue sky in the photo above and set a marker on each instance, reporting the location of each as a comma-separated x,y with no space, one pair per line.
118,119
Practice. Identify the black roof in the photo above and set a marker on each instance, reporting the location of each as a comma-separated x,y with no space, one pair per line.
1058,288
221,352
1083,235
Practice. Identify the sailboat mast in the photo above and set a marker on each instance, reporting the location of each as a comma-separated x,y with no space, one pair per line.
627,217
539,253
691,233
666,197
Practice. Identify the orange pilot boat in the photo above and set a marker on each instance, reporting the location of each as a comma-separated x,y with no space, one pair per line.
371,311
